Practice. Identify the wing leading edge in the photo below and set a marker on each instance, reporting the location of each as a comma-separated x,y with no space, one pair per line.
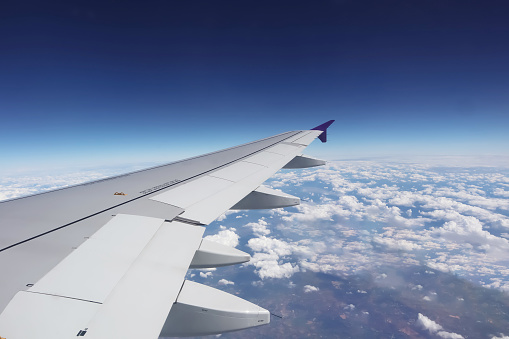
111,265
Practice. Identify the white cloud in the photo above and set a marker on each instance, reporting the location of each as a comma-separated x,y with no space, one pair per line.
468,229
407,220
449,335
397,244
435,328
271,268
428,324
309,212
270,245
227,213
225,282
501,192
398,217
226,237
205,274
259,228
310,288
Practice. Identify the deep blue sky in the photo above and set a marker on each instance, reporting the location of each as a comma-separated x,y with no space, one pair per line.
90,82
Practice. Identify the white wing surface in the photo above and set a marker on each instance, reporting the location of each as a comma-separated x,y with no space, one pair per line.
108,259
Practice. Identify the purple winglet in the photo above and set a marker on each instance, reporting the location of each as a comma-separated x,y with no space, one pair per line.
323,127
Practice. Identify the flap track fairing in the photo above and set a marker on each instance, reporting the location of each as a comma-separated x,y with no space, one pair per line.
203,310
304,161
212,254
266,198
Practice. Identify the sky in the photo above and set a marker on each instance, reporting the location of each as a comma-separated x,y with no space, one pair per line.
86,83
115,85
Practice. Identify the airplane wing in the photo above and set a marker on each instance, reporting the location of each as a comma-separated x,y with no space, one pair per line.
108,259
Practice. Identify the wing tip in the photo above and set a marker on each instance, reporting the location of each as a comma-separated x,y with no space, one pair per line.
323,127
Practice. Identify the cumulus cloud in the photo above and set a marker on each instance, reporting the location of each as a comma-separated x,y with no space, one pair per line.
226,237
227,213
449,335
310,288
397,244
270,254
225,282
445,220
259,228
269,267
309,212
427,324
205,274
435,328
468,229
270,245
501,192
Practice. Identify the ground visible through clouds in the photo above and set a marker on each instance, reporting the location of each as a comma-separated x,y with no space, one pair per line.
375,250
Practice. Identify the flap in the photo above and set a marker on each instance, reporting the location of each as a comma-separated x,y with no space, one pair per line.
129,272
95,268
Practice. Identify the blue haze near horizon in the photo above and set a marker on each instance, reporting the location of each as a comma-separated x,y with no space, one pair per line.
105,83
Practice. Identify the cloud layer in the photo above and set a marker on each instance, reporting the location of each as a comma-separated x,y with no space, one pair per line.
355,216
